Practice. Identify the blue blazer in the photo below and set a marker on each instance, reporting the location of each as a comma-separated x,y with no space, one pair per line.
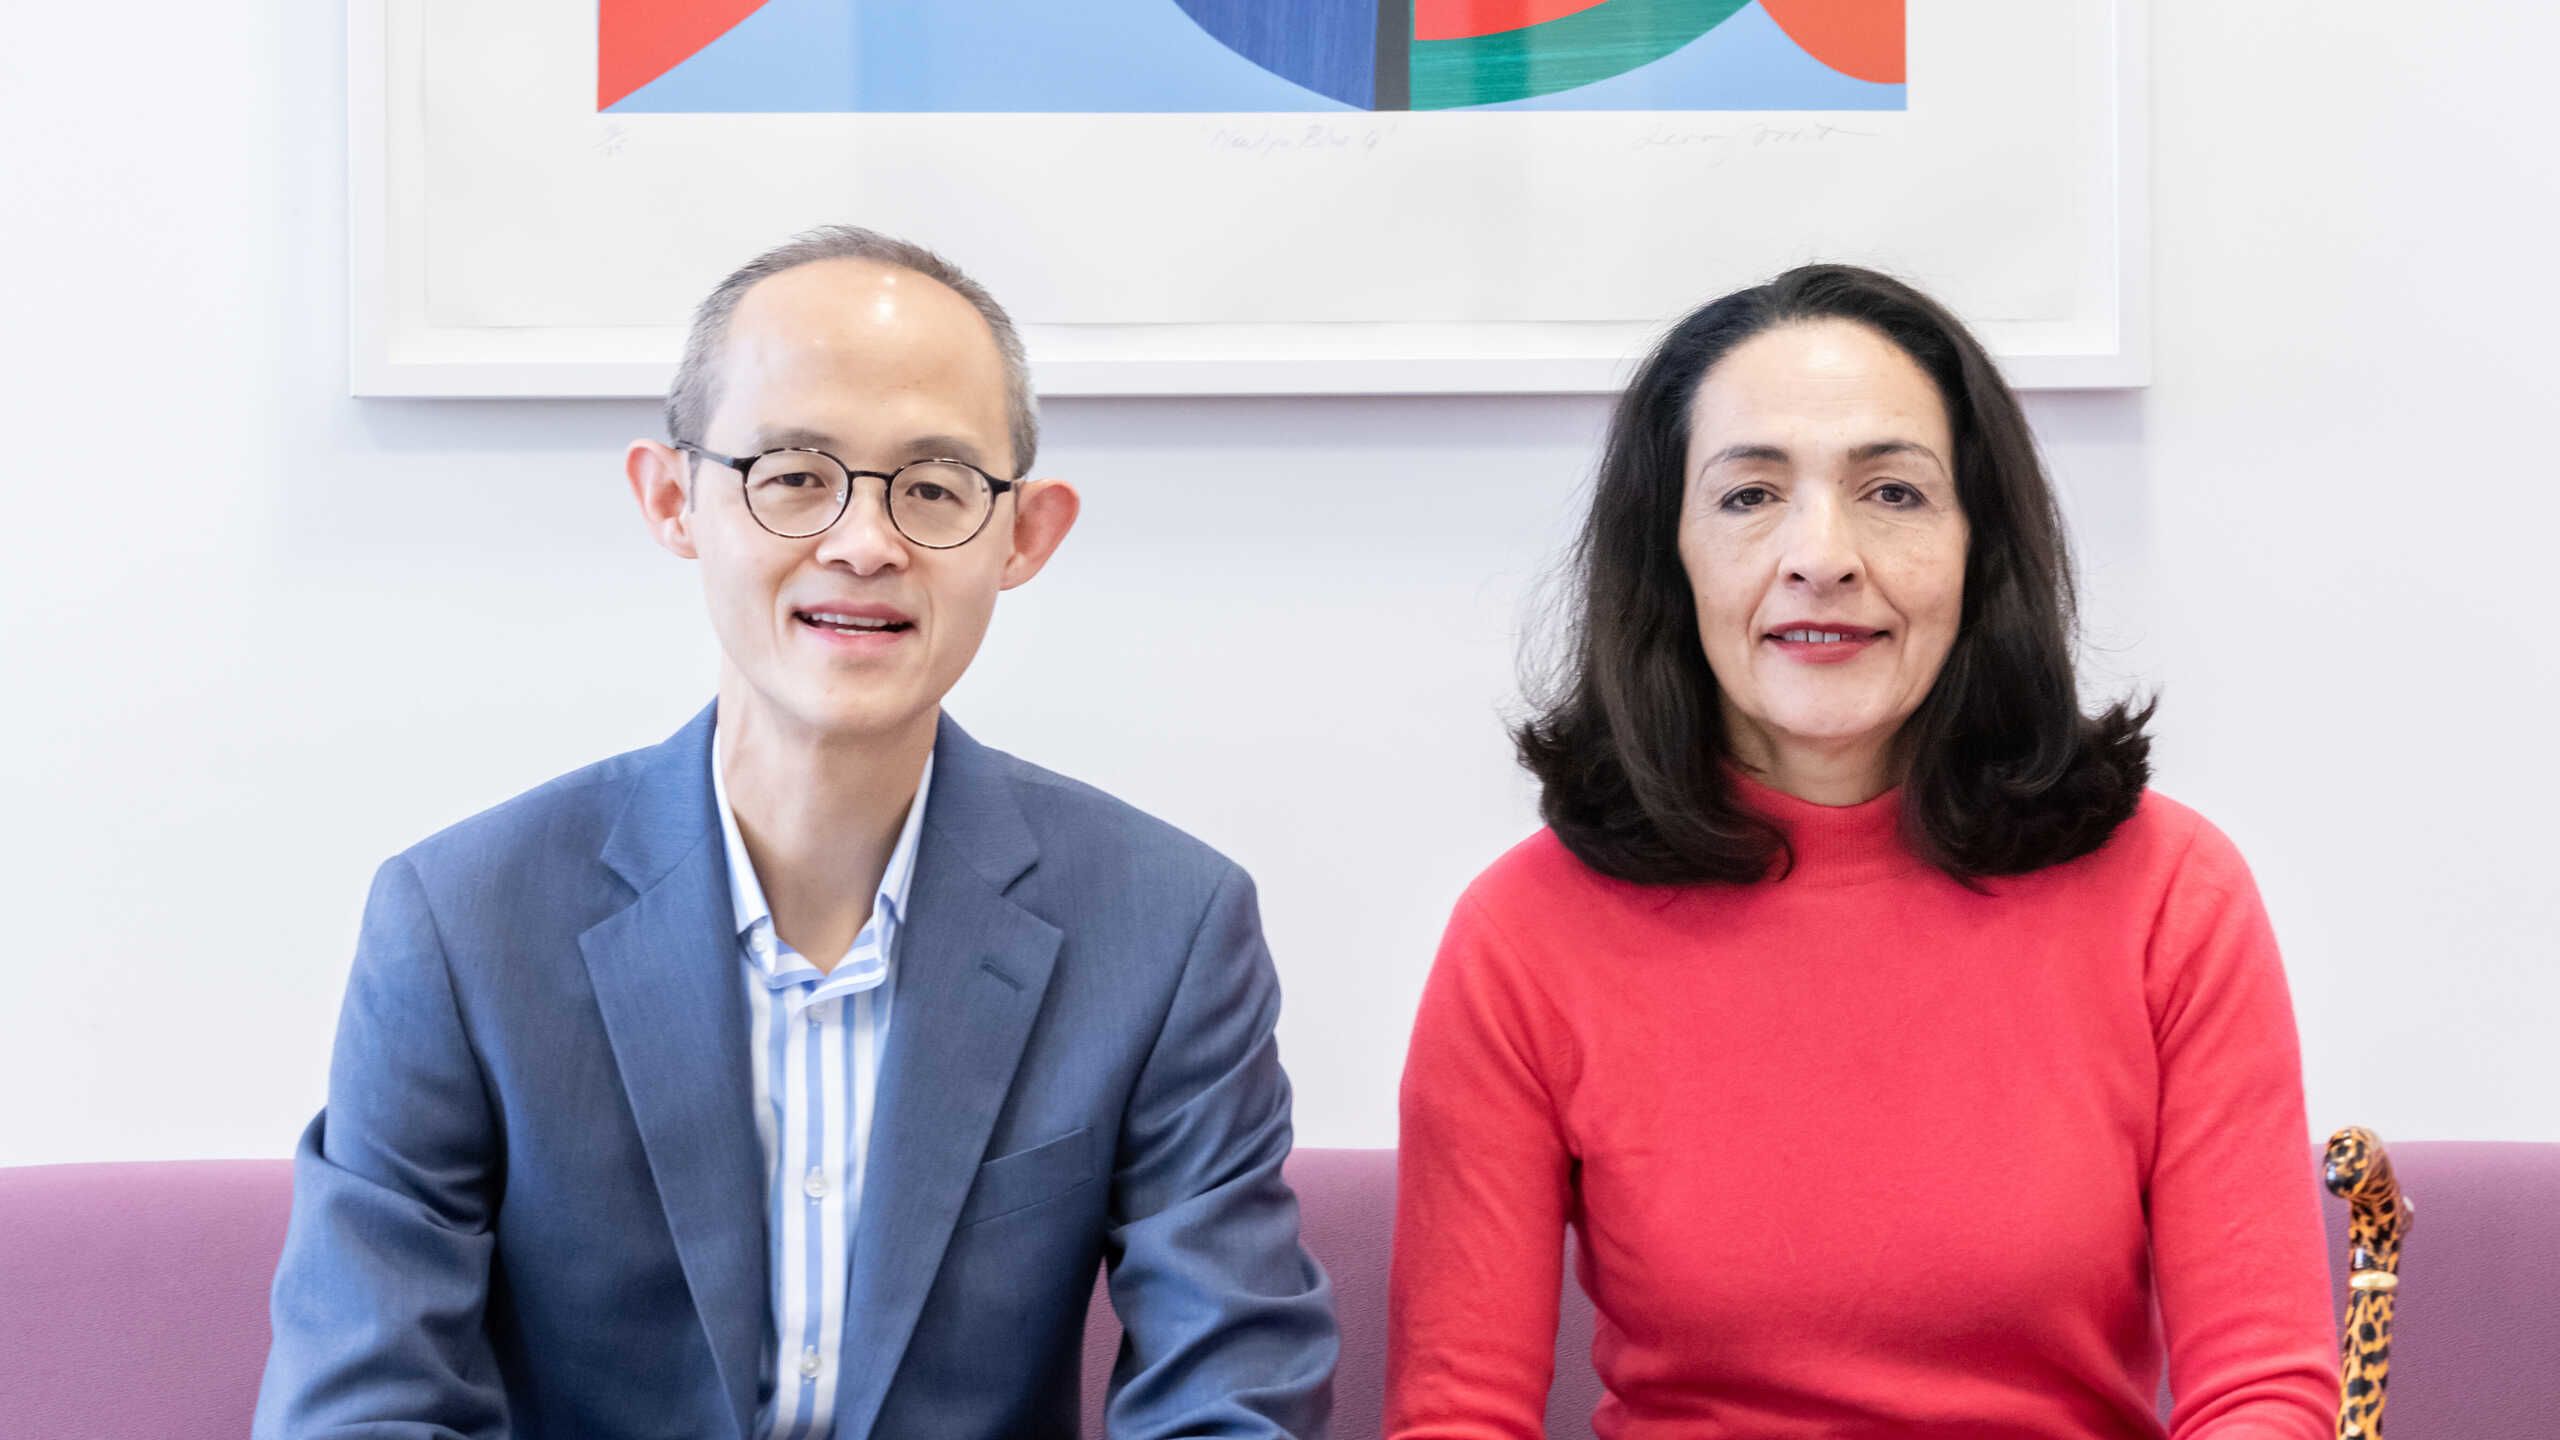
534,1205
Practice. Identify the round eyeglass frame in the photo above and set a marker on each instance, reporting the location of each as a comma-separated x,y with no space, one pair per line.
745,466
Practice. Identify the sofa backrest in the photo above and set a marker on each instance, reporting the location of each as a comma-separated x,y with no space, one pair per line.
133,1296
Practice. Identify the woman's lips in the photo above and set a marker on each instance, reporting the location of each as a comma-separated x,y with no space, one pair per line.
1823,645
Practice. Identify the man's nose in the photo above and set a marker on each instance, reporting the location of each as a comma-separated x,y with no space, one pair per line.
862,539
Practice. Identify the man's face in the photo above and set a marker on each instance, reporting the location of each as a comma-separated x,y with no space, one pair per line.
854,633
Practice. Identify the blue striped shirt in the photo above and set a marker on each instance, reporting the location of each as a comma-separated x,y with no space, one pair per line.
815,1040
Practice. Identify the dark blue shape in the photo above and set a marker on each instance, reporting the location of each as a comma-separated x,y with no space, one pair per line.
977,56
1329,46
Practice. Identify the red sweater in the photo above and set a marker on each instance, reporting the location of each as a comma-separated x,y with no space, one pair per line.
1859,1152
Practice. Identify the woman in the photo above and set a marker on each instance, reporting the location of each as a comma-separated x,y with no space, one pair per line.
1901,1066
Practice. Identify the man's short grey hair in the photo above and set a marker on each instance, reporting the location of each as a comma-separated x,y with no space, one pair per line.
690,400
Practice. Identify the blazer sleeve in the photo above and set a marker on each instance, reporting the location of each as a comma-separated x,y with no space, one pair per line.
378,1302
1228,1322
2236,1235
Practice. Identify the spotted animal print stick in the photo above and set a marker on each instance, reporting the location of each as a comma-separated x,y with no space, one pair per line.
2359,1172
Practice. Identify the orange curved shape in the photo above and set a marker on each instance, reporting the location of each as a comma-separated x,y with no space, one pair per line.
1861,39
639,40
1465,19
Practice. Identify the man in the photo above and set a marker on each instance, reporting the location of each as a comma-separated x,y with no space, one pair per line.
791,1078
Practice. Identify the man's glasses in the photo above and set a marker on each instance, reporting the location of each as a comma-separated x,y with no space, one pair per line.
796,493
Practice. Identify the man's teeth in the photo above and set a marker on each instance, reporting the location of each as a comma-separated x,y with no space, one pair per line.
850,622
1813,637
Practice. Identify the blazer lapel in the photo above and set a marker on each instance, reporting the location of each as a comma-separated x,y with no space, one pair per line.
666,978
971,970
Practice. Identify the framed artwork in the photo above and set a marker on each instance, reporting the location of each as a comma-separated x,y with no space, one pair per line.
1241,196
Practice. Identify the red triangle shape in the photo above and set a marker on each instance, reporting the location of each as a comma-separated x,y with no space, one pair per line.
639,40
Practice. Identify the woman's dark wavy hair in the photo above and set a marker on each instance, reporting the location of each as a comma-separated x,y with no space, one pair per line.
2001,772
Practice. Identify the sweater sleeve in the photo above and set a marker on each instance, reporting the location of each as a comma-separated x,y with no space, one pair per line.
2237,1240
1483,1183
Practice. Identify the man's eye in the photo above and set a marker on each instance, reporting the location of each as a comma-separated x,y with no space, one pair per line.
927,491
796,480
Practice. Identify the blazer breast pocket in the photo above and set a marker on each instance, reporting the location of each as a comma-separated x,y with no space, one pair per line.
1030,1177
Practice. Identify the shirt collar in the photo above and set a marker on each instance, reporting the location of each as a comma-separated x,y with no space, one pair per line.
746,896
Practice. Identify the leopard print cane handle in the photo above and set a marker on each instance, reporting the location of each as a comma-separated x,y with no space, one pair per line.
2358,1171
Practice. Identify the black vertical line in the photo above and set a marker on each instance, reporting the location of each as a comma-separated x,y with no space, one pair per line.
1394,87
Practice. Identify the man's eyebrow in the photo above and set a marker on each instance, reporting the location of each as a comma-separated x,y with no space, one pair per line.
943,447
794,437
921,447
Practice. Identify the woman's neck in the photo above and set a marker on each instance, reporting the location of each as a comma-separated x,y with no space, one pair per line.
1847,772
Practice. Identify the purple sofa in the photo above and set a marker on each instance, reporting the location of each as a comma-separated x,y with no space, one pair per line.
133,1297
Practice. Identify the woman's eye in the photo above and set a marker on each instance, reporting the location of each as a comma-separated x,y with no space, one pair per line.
1749,497
1898,495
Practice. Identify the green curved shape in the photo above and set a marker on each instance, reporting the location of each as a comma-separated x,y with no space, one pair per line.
1576,49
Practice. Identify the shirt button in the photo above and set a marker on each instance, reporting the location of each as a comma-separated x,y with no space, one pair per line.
816,1186
809,1363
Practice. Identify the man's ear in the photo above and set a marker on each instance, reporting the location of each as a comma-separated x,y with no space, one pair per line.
661,480
1044,511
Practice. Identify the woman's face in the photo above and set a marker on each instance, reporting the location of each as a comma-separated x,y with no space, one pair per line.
1825,549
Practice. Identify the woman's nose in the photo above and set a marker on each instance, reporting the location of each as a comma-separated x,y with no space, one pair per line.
1820,551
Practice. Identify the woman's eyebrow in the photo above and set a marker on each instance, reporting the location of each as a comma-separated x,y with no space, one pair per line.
1883,449
1749,450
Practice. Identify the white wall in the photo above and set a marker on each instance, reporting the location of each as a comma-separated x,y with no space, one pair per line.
2327,531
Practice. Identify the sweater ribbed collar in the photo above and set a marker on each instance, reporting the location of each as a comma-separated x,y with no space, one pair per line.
1833,844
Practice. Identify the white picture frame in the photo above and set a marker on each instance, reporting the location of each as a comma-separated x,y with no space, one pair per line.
400,347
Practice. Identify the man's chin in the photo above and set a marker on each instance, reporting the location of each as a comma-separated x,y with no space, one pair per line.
833,716
871,719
